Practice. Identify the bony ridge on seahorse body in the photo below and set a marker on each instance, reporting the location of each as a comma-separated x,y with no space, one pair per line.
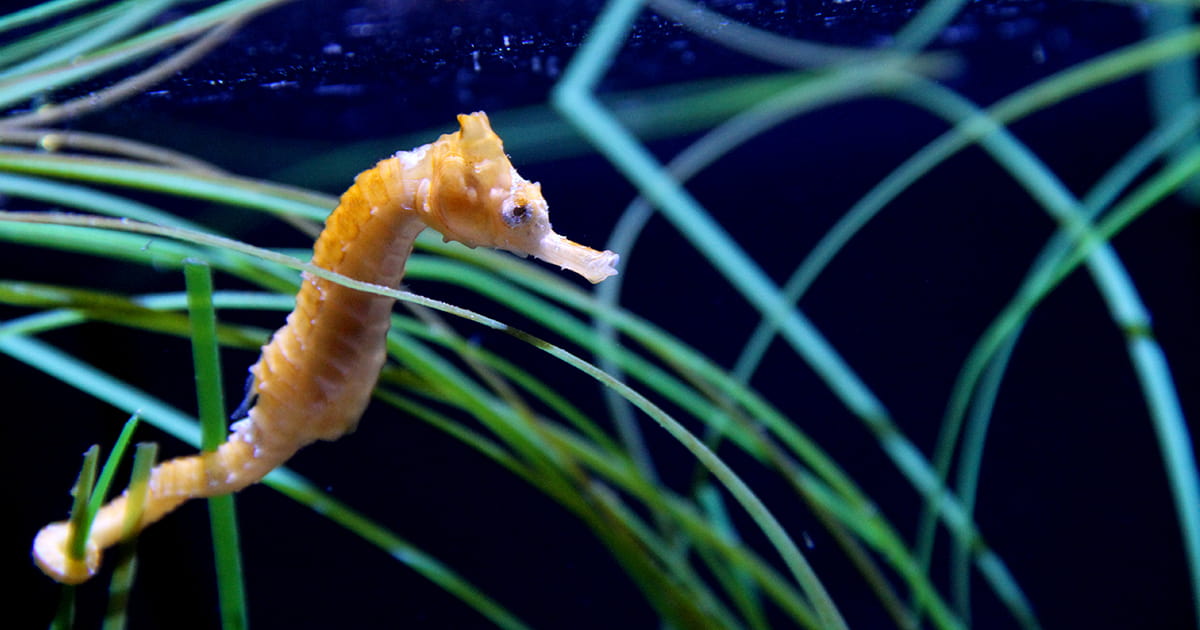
315,376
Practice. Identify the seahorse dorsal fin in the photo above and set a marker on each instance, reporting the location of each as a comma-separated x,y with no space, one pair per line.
476,131
478,142
483,151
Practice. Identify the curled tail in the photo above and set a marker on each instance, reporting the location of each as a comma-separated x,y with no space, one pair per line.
233,466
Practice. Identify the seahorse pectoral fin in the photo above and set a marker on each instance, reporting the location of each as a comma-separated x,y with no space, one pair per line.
593,265
243,409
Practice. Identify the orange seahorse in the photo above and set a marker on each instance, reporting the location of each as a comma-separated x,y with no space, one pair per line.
315,376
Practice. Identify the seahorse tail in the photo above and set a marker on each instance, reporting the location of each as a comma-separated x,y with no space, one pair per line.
230,468
50,545
233,466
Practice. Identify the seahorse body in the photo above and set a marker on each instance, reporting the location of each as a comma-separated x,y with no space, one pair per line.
315,376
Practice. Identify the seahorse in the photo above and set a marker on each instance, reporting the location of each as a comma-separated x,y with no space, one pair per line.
315,375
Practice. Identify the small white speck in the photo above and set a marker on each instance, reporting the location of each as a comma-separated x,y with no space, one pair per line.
410,159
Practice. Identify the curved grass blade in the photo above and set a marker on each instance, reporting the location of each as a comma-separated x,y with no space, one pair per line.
17,89
122,19
39,12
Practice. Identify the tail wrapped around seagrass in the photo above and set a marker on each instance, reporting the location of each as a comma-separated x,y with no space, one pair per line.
315,376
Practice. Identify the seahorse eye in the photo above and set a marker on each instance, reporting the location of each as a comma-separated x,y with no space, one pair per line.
517,215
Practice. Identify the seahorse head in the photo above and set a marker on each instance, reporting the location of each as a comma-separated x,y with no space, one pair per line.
476,197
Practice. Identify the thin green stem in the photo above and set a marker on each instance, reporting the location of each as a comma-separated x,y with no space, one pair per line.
231,590
125,567
109,471
81,515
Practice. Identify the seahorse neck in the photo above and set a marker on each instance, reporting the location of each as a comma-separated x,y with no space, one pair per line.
369,236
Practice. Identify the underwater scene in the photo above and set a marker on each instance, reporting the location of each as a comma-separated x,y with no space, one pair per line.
822,314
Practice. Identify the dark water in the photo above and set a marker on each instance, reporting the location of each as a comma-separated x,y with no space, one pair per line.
1073,495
